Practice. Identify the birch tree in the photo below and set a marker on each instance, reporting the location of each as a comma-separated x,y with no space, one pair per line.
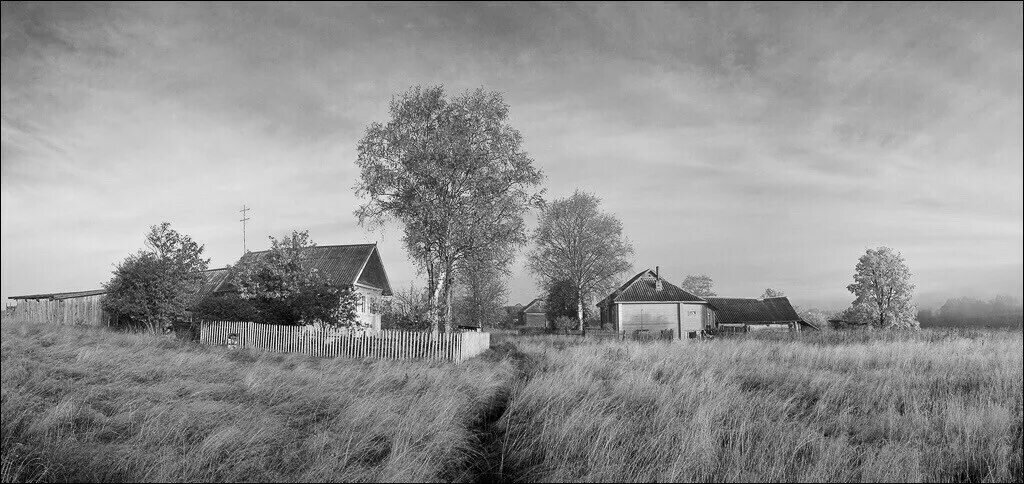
883,290
453,174
577,242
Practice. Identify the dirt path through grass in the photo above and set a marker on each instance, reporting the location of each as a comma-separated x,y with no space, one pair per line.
489,465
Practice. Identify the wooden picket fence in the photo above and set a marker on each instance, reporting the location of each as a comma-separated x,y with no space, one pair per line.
384,344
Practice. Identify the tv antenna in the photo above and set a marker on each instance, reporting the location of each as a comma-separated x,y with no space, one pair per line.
244,219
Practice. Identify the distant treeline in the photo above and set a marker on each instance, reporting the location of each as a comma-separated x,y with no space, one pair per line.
1000,312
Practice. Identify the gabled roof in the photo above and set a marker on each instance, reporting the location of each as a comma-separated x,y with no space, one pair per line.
212,280
342,265
753,311
535,306
642,288
57,296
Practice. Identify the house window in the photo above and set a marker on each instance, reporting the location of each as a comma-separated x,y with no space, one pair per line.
362,303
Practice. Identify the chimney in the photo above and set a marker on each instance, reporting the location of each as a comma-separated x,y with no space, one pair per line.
657,279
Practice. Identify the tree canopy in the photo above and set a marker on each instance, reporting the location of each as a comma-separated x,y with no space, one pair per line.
699,285
152,288
881,284
769,292
482,291
577,242
452,172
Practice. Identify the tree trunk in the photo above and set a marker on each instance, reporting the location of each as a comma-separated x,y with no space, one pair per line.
579,312
433,297
446,300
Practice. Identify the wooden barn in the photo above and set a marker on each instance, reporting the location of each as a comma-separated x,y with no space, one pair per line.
534,314
73,308
647,302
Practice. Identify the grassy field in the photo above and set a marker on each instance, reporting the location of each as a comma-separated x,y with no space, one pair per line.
930,406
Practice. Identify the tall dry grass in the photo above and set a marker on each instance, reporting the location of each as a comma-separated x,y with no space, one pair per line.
93,405
924,406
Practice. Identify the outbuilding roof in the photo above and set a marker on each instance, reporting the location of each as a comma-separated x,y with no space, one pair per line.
536,306
753,311
643,288
57,296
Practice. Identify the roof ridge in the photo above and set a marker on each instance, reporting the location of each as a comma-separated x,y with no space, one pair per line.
319,246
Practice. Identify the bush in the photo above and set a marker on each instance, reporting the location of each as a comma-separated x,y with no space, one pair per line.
226,307
565,322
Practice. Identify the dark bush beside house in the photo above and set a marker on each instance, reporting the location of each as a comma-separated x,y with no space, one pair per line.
225,307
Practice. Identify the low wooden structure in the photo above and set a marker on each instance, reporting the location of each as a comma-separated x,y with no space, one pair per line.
82,308
383,344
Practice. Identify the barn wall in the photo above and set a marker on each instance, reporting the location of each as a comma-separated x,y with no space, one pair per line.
535,320
650,316
82,311
692,317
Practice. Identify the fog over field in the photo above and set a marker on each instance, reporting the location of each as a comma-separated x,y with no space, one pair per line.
765,145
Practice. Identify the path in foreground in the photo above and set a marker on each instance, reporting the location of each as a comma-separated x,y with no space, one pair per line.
94,405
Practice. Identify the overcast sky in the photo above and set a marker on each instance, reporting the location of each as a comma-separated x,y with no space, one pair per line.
764,145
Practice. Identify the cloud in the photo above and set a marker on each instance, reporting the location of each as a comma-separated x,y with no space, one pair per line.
763,144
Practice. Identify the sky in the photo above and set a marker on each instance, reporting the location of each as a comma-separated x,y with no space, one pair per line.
766,145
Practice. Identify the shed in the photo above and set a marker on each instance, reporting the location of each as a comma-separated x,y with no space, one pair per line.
74,308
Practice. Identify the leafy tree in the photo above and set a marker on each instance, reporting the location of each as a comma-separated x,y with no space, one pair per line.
152,287
699,285
769,292
883,290
562,301
482,292
405,310
284,289
453,173
577,242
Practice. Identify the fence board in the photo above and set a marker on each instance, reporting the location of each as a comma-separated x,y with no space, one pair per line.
385,344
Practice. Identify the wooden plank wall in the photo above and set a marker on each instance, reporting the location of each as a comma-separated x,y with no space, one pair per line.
384,344
86,311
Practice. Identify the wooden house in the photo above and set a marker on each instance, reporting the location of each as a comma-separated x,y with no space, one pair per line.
355,265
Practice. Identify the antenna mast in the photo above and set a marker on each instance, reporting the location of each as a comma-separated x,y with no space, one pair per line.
244,219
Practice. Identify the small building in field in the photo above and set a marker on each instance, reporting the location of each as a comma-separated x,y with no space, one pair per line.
647,302
71,308
534,314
